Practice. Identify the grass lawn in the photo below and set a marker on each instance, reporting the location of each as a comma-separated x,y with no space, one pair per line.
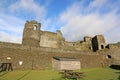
90,74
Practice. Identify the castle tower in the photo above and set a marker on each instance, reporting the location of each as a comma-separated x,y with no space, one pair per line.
31,34
88,42
98,42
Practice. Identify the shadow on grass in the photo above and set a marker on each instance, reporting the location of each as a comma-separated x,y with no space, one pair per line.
115,67
24,75
119,77
3,73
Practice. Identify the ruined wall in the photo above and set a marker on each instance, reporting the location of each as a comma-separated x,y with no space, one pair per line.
33,36
41,58
31,33
50,39
85,45
98,42
39,47
88,42
112,46
112,53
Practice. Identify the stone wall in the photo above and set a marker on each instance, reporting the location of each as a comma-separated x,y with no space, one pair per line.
41,58
113,53
51,39
98,42
34,36
31,33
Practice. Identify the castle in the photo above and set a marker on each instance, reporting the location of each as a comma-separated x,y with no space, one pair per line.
39,48
33,36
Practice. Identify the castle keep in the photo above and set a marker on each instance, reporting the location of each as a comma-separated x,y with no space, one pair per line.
39,49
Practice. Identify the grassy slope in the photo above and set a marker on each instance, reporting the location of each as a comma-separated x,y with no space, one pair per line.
90,74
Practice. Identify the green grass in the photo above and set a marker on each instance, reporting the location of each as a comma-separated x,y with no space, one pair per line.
101,74
90,74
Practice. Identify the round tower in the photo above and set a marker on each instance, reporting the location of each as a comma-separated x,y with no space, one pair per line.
31,33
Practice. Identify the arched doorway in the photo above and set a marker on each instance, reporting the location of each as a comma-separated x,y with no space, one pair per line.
102,46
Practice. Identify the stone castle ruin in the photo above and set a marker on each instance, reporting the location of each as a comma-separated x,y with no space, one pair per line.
39,49
34,36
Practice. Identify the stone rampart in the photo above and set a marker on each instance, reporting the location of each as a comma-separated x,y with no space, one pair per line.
41,58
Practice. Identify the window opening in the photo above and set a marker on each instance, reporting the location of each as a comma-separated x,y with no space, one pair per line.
109,56
35,27
102,47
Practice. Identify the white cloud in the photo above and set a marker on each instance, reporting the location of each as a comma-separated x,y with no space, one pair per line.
6,37
113,35
11,28
77,20
97,3
50,24
35,9
29,6
70,12
76,24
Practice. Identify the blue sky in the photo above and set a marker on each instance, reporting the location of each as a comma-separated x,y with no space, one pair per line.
75,18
